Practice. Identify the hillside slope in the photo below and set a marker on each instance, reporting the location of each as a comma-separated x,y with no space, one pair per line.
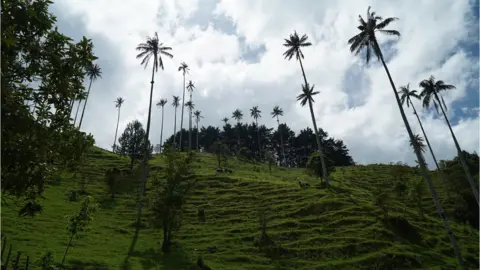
311,228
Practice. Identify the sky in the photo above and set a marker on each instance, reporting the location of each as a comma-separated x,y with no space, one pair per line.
234,49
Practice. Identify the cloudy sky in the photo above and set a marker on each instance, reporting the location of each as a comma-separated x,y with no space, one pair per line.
234,51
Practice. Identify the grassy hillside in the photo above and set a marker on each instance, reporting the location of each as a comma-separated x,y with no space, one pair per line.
312,228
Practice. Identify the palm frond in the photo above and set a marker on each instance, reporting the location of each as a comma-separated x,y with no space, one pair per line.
386,22
390,32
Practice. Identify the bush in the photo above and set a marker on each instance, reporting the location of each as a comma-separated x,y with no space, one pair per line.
314,165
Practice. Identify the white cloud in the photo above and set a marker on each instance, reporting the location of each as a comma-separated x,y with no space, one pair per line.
373,130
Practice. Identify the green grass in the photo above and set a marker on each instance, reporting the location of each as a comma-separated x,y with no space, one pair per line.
313,228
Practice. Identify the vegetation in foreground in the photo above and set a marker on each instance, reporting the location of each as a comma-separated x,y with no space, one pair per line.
350,225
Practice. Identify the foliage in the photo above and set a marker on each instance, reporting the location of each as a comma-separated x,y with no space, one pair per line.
47,261
170,193
418,190
381,199
42,71
314,165
270,160
132,142
112,177
221,152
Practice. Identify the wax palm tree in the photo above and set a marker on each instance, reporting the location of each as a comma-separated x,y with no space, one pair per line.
162,103
79,98
151,48
432,93
184,69
238,115
175,104
118,104
225,120
294,44
367,40
198,115
256,113
406,98
277,111
93,72
190,88
307,97
189,104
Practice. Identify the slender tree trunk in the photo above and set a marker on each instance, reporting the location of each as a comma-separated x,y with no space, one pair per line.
238,135
440,171
181,118
143,181
319,145
76,114
116,130
190,125
460,153
70,108
175,130
161,131
423,169
85,105
281,141
66,251
198,147
258,139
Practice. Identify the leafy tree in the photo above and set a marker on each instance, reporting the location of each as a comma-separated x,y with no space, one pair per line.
162,103
367,40
277,111
170,193
270,160
118,104
238,115
406,97
198,116
184,68
431,91
417,190
132,143
42,72
314,165
221,152
175,104
80,221
93,72
112,177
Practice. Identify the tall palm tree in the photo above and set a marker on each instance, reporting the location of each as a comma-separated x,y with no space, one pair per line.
190,88
184,68
151,48
256,113
432,92
198,115
294,44
367,40
118,104
79,98
406,98
190,107
93,72
238,115
161,103
307,97
277,111
175,104
225,120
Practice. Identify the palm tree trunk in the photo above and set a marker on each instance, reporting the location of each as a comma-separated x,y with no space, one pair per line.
303,71
85,105
198,148
190,125
143,181
319,145
423,169
440,171
238,136
76,114
258,139
175,130
460,153
181,119
116,131
281,141
70,108
161,131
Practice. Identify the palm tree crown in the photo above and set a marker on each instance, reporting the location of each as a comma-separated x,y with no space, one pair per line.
307,94
366,38
190,86
154,48
430,88
237,115
277,111
255,112
184,68
419,140
176,101
190,105
294,44
94,72
406,94
225,119
198,115
119,102
162,102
